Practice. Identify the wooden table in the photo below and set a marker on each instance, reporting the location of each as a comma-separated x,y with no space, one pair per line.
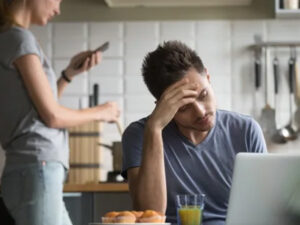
96,187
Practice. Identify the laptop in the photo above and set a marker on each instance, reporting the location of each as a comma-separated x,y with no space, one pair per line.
265,190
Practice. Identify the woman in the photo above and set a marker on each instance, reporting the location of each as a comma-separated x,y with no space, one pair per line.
31,121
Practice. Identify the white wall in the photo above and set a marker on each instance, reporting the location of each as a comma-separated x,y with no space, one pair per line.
223,46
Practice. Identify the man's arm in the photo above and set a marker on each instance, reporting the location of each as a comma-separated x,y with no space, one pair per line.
258,143
147,183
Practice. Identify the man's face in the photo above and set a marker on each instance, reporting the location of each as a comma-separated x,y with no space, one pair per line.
199,115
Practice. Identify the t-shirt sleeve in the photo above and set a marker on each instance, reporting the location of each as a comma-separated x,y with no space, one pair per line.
256,138
24,43
132,146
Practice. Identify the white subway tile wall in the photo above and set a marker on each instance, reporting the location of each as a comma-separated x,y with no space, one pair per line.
108,85
214,47
112,32
223,46
134,85
181,31
244,97
69,39
132,67
108,67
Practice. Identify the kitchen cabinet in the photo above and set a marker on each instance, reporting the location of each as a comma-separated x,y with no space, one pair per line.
88,207
79,207
282,13
105,202
89,202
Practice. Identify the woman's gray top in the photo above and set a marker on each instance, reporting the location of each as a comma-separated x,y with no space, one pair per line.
23,135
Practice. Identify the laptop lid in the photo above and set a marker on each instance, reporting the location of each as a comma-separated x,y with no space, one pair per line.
265,190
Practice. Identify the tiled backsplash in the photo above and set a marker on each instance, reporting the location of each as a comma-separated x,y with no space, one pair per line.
223,46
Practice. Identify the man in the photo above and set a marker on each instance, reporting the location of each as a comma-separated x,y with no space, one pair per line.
185,146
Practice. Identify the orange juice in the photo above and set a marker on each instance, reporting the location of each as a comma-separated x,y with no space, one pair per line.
189,215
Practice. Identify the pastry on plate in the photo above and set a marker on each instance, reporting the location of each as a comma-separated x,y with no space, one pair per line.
152,216
125,217
110,217
137,214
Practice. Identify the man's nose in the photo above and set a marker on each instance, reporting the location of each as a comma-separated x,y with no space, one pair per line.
199,109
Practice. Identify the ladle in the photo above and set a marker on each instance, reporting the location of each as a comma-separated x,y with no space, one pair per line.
288,132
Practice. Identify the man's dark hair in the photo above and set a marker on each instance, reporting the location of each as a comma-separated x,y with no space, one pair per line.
168,64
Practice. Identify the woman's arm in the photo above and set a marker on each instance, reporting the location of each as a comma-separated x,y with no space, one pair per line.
53,114
61,85
91,60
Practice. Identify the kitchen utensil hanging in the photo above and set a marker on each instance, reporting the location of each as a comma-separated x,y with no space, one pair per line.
297,95
259,46
278,136
288,132
267,119
257,72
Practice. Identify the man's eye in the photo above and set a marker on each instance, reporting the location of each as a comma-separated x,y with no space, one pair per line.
185,107
182,109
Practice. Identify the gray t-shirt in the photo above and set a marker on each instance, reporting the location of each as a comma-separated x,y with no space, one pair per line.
204,168
23,135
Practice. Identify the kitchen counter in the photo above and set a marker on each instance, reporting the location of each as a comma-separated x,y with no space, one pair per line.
96,187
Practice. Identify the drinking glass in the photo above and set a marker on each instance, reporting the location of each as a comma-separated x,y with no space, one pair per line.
189,209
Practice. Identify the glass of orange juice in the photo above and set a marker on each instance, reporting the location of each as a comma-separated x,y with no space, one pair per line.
189,209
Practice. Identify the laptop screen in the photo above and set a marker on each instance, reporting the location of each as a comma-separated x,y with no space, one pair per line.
265,190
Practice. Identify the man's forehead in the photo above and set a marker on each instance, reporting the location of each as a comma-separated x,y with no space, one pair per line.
200,79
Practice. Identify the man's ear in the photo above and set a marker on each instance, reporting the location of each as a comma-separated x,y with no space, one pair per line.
208,77
207,74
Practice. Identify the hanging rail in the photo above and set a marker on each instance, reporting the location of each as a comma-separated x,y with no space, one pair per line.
276,44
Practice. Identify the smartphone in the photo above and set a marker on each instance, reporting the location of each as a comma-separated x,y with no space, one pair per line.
102,48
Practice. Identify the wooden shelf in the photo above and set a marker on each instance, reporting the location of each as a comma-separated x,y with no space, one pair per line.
94,187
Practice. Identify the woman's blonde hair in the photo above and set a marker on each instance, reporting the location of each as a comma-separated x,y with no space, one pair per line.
6,16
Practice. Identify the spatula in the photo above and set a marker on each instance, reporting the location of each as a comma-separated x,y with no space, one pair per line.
267,119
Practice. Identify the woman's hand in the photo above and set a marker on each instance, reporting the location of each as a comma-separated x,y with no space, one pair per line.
89,60
108,112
